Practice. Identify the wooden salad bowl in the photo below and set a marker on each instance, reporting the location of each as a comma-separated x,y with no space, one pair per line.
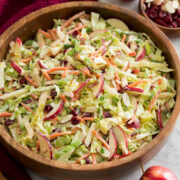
169,31
43,18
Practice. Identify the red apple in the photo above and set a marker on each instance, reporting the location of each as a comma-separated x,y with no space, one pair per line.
129,88
55,112
121,139
101,85
89,136
16,68
81,86
45,146
112,144
141,53
159,117
158,173
41,65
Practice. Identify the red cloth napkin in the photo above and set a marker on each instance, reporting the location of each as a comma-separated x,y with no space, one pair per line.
13,10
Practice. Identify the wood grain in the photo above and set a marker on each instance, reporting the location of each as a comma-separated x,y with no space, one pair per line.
171,32
26,28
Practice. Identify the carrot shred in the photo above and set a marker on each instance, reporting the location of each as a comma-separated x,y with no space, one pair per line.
45,34
26,107
86,71
87,119
137,83
65,71
160,80
69,21
82,157
27,59
55,135
46,75
123,38
116,81
11,82
34,97
75,72
167,106
63,97
37,145
93,158
31,81
55,69
136,71
5,114
76,29
154,100
100,138
132,54
53,35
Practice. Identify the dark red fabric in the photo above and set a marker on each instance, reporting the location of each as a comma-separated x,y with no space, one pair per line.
13,10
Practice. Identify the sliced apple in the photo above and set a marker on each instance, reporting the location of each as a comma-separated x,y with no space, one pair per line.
126,99
141,53
81,86
2,66
18,40
99,87
89,136
16,68
45,146
41,65
104,152
121,139
57,109
112,144
129,88
118,24
159,117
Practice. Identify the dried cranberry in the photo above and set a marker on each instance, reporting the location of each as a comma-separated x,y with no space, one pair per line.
178,12
75,120
22,81
174,24
107,114
48,108
53,93
74,112
178,21
153,14
162,14
87,114
135,124
56,130
64,51
87,160
154,8
8,122
27,101
161,22
75,33
63,62
168,19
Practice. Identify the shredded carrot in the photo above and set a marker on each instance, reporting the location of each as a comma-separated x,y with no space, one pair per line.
160,80
63,97
123,38
45,34
87,119
109,62
93,158
82,157
64,73
34,97
136,71
27,59
5,114
26,107
116,80
53,35
31,81
137,83
154,100
100,138
55,69
167,106
55,135
75,72
46,75
76,29
11,82
86,71
132,54
68,22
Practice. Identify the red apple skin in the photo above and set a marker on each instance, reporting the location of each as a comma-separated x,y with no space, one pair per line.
101,87
41,65
141,56
158,173
16,67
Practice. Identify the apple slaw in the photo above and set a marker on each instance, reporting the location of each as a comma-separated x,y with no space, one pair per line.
86,91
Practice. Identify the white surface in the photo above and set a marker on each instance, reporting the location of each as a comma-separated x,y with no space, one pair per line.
169,156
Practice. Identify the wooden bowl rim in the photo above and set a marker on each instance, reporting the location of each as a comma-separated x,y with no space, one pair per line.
7,139
141,3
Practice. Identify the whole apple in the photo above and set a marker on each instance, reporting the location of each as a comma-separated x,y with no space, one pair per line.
158,173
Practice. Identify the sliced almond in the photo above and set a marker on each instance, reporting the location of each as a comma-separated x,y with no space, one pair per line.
169,7
175,4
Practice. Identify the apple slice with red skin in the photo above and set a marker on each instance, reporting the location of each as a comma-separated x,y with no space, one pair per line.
55,111
141,53
129,88
41,65
18,40
121,139
45,146
112,144
81,86
16,68
159,117
99,87
158,173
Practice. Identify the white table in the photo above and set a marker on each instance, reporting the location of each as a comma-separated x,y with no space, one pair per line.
169,156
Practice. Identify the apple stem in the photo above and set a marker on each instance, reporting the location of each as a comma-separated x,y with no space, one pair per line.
142,167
